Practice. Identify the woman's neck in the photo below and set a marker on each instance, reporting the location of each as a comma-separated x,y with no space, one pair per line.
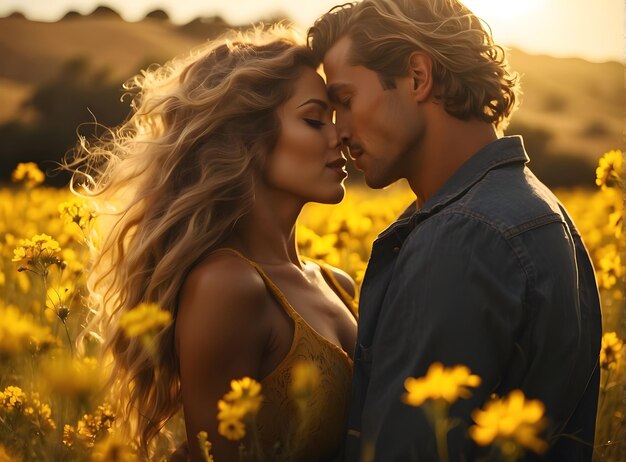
267,234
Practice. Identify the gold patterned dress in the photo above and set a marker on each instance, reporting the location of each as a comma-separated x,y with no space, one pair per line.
319,435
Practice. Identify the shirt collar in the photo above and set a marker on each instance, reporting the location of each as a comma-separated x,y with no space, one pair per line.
503,151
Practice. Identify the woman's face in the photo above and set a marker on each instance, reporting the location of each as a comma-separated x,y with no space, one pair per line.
307,162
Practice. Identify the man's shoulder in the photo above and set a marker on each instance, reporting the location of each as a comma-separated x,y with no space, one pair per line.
510,200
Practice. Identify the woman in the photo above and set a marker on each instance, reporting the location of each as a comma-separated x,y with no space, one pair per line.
209,175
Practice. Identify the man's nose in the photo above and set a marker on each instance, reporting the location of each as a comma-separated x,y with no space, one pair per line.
342,125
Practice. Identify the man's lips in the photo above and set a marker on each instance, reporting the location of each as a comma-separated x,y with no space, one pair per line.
355,151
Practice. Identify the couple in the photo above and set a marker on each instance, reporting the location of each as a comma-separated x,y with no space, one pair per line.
484,269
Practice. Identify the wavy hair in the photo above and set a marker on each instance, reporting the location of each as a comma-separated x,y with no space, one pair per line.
170,184
471,75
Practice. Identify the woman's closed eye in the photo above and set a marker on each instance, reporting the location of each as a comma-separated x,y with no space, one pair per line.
315,123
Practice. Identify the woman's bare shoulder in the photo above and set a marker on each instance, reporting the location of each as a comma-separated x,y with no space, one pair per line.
344,279
222,289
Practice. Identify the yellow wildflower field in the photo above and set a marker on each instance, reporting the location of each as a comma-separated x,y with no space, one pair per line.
52,405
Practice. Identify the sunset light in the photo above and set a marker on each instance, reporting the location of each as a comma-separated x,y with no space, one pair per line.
503,9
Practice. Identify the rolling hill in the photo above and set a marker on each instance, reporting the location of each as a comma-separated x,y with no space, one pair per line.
578,104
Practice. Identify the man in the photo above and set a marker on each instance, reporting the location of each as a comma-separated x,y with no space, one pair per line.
485,269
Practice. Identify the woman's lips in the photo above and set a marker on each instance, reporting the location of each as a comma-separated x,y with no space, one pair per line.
340,162
338,165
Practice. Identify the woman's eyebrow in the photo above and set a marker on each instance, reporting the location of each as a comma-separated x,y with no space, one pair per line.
323,104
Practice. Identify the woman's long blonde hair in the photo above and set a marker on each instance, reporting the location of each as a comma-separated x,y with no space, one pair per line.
170,184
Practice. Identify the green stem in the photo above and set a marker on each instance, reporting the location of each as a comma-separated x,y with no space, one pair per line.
257,450
602,399
510,451
437,414
69,339
44,278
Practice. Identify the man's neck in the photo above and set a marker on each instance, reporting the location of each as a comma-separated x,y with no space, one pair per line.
447,145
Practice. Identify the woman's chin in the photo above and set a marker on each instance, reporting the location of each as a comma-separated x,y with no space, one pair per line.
335,196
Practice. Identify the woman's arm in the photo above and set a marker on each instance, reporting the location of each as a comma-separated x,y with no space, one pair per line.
222,331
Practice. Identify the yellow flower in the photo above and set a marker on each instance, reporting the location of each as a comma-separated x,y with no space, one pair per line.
610,268
12,397
69,435
613,202
72,376
512,419
76,211
39,413
90,427
610,351
19,254
114,448
39,251
305,379
18,331
447,384
144,319
73,261
610,169
229,411
230,417
28,173
245,394
232,429
323,246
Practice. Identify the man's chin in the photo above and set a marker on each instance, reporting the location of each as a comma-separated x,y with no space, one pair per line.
376,183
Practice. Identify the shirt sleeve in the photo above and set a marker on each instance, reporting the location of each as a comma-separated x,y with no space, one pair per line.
456,297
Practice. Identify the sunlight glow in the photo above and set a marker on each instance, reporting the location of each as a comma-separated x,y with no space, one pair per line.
493,10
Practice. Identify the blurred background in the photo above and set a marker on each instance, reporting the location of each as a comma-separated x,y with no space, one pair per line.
63,62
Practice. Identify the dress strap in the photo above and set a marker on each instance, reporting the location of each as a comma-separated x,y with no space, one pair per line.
268,282
351,302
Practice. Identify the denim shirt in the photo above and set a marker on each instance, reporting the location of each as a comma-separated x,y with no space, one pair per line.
490,273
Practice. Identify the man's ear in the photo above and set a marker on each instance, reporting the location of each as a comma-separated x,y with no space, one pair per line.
420,72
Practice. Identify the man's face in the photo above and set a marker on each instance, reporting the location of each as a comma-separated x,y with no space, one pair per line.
382,126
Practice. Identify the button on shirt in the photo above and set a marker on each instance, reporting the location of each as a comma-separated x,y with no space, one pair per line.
490,273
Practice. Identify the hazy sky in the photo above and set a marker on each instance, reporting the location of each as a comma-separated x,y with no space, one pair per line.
592,30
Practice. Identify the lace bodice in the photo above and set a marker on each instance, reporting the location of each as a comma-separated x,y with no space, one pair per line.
321,431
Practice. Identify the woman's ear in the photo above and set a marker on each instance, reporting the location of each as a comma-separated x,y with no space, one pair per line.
420,72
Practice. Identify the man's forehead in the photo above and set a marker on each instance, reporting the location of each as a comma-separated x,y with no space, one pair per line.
336,58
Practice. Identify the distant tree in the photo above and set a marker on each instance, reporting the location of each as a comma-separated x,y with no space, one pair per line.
105,11
160,15
554,102
536,139
77,100
72,14
555,168
205,28
595,129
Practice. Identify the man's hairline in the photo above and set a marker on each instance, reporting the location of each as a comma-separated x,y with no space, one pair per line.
386,82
